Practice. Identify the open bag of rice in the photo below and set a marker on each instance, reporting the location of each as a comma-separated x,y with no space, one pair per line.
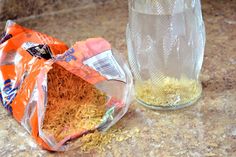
60,94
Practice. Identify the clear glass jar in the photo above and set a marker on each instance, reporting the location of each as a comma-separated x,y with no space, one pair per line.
166,40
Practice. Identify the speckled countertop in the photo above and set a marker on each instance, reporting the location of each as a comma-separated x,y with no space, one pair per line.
207,128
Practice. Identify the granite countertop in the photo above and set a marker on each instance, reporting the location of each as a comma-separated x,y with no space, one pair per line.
207,128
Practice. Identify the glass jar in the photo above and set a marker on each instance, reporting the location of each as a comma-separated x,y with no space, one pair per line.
166,40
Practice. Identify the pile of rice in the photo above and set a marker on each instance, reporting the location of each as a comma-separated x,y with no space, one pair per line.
73,106
168,91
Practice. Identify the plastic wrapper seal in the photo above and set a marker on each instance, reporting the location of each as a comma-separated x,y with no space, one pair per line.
26,59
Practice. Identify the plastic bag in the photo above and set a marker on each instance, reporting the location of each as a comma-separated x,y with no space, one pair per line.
27,56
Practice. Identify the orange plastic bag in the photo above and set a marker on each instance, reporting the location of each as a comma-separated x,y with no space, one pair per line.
26,56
